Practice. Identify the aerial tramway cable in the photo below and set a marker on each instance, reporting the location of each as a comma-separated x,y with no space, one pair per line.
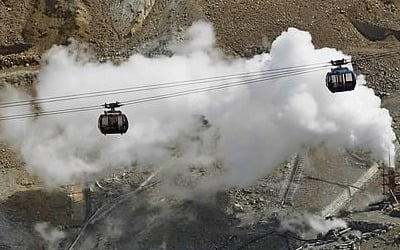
161,85
162,96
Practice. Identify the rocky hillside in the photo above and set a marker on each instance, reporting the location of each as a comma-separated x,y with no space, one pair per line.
34,25
121,27
117,28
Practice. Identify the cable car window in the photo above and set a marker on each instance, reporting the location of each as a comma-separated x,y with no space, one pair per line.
349,77
336,81
113,120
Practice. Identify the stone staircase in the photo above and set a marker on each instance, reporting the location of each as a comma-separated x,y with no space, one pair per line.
294,181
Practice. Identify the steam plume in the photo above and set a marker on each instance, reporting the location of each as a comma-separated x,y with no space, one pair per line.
52,236
311,225
259,125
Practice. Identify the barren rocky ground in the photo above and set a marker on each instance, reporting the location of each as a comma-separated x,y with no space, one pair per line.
236,219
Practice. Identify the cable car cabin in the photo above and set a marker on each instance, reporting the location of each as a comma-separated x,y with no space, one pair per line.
113,122
340,79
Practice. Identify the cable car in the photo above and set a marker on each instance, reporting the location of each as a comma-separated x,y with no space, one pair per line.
113,121
340,79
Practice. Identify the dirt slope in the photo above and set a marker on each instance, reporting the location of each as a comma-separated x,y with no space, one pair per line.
247,23
239,24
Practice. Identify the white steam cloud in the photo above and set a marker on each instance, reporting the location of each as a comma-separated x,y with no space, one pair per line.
311,225
259,125
52,236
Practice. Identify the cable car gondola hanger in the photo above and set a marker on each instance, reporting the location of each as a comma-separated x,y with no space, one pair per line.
340,79
113,121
